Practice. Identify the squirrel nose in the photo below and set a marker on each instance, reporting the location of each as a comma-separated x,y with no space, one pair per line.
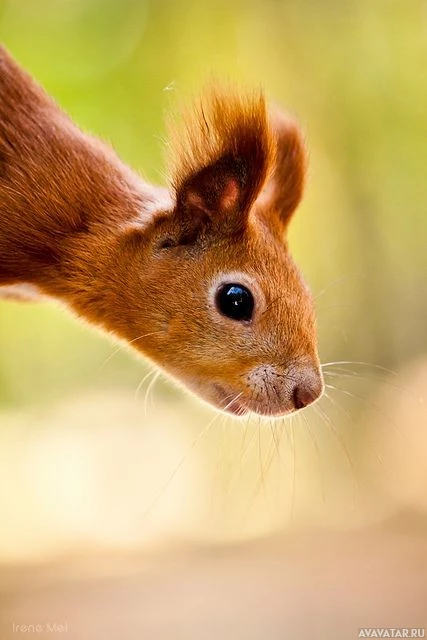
306,392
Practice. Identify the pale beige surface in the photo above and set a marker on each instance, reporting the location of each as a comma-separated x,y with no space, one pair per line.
94,497
297,587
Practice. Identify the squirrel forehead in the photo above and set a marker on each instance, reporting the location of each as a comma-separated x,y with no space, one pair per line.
259,254
256,245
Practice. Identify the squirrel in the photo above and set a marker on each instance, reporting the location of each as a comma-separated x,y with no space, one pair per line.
197,276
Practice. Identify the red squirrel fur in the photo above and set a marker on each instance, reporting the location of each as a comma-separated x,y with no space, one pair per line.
146,263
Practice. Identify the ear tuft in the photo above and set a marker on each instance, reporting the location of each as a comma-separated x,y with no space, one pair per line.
223,153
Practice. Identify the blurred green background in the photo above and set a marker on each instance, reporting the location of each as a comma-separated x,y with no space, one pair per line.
354,73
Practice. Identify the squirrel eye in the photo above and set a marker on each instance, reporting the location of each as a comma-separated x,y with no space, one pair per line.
235,301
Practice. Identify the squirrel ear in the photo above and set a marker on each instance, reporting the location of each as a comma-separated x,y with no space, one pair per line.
225,187
284,190
222,158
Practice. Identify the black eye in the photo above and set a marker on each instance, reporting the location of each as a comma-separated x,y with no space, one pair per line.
235,301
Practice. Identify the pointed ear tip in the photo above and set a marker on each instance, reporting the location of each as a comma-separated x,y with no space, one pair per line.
283,121
289,135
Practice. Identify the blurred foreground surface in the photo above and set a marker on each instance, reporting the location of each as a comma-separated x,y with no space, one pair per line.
301,588
97,535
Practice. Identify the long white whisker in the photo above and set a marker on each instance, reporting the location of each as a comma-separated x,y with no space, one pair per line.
363,364
352,419
340,442
338,305
219,449
262,473
244,448
149,388
120,347
185,456
319,458
141,384
335,282
369,404
294,469
342,373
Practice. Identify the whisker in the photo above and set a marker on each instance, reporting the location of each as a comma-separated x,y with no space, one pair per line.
242,444
261,466
184,458
342,373
246,443
337,305
294,469
274,438
352,419
340,442
364,364
123,346
272,455
369,404
219,449
273,302
222,458
275,456
149,388
337,281
141,384
319,459
260,480
243,453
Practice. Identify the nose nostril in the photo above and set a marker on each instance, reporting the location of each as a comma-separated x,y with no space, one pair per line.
303,396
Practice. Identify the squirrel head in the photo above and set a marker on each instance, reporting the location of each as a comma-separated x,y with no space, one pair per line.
230,315
198,277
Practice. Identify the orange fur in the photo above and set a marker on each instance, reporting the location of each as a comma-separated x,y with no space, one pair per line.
144,262
223,124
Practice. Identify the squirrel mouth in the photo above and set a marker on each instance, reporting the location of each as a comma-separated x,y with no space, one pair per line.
229,401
